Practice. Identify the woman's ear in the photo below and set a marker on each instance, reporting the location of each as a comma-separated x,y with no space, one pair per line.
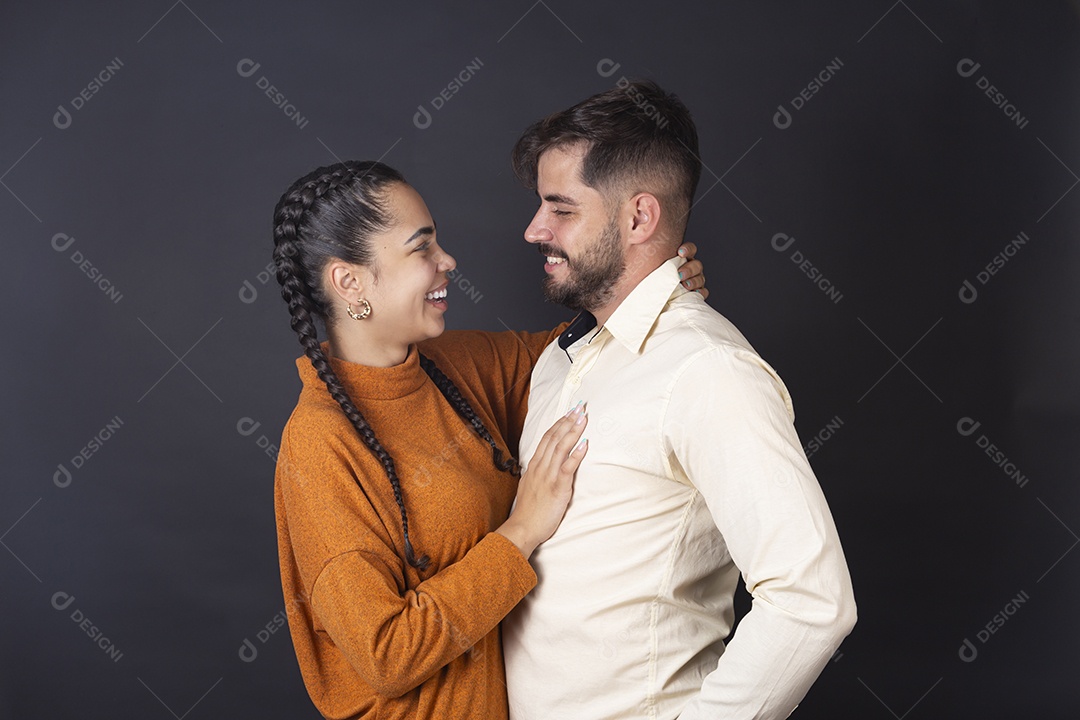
347,281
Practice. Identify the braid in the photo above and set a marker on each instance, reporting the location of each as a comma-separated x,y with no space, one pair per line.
461,405
304,305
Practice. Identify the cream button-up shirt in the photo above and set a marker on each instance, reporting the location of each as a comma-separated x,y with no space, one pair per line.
694,473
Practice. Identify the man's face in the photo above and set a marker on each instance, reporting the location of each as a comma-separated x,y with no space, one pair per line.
578,236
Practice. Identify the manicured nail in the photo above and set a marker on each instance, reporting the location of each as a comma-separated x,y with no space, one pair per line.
680,275
682,251
580,418
580,446
574,409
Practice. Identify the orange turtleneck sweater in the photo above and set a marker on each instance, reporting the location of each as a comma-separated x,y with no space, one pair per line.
375,637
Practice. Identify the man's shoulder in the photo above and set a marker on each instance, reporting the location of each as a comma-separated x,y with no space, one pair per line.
702,343
688,322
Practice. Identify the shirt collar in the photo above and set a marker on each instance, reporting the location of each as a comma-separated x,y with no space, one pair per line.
583,323
636,315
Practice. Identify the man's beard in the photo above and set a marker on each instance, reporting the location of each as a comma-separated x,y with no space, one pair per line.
590,282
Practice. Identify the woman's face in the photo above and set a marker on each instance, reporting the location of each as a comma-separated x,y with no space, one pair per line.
408,287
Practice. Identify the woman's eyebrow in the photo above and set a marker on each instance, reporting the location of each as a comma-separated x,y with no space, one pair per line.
426,230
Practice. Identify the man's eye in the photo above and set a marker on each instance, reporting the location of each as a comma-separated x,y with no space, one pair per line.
561,212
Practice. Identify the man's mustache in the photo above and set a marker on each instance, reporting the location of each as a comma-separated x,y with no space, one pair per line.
549,251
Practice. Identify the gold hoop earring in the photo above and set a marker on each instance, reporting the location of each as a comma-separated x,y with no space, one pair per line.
362,315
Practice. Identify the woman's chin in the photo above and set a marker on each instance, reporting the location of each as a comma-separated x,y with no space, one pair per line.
435,328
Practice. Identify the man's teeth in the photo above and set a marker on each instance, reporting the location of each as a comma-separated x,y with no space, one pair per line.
436,295
552,260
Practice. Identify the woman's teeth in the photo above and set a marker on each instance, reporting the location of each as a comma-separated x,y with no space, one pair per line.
436,295
552,260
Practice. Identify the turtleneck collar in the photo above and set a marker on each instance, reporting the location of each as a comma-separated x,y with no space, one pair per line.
366,382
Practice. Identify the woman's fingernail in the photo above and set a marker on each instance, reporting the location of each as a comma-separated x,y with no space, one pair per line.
580,446
580,419
680,275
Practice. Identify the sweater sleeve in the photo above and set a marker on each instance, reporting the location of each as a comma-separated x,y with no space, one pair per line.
494,368
394,636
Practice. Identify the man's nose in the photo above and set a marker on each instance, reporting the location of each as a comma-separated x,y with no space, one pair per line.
537,231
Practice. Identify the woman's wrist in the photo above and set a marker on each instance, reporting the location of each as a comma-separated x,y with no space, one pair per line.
516,533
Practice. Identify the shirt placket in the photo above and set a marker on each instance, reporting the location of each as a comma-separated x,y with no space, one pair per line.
584,359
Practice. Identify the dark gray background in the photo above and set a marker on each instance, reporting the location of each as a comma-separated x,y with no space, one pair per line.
899,180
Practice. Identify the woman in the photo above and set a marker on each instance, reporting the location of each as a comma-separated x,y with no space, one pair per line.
399,554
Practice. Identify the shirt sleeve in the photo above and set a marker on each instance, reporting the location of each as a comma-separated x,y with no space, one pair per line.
729,426
394,636
494,368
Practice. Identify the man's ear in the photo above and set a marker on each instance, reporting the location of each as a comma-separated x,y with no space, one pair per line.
644,210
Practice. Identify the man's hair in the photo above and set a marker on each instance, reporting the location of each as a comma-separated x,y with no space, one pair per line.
637,138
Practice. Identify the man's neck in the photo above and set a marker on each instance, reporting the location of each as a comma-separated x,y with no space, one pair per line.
638,267
603,314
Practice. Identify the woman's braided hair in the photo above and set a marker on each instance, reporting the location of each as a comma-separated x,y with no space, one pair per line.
332,213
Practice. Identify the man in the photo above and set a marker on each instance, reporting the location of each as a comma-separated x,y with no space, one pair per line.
694,471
